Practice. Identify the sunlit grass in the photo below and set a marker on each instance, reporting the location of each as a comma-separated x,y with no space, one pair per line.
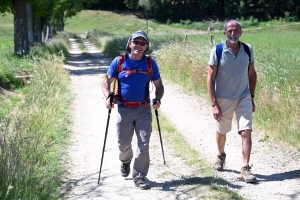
34,116
119,24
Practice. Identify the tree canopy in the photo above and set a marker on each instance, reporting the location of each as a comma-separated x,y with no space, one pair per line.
197,10
34,20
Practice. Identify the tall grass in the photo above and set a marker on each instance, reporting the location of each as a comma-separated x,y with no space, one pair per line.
56,45
32,138
34,115
114,45
184,63
278,86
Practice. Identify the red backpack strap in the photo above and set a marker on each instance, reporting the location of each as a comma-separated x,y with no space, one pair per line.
121,61
119,69
149,66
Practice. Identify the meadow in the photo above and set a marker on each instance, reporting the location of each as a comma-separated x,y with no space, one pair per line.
31,161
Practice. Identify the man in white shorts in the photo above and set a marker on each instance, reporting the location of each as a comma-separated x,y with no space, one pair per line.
231,85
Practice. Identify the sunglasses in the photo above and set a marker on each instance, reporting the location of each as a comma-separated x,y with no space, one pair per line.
139,43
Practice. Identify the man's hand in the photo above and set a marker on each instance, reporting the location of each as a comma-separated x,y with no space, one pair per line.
109,100
217,112
155,104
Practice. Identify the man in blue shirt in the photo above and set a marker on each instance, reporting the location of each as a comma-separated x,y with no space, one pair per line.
134,106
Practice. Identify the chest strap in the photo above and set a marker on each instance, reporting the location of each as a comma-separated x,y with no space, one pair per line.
131,104
128,72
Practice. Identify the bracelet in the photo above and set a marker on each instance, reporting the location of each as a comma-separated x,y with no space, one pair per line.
252,95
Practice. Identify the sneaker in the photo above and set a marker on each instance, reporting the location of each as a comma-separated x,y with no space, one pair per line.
246,174
125,169
219,164
141,183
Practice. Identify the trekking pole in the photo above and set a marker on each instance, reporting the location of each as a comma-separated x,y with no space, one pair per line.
156,113
111,96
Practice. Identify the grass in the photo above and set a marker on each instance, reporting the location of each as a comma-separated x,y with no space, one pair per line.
34,114
58,45
34,135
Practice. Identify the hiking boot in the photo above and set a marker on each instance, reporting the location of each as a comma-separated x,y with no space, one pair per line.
246,174
219,164
141,183
125,169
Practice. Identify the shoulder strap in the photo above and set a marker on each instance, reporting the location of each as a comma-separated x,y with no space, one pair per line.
149,66
121,61
119,69
219,49
246,48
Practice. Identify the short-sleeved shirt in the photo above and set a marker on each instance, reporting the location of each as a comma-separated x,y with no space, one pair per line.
232,81
135,87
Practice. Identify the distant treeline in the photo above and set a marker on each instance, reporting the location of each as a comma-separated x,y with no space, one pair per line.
197,10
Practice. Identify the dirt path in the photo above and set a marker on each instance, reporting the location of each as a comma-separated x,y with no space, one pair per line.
274,167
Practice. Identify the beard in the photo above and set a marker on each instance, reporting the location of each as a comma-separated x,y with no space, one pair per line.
232,40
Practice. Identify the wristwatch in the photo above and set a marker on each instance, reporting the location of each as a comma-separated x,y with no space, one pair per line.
157,100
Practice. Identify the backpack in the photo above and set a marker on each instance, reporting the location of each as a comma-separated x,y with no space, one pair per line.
219,49
128,72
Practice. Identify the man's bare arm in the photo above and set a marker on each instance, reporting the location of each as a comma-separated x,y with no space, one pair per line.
159,89
252,84
211,74
252,79
106,89
159,92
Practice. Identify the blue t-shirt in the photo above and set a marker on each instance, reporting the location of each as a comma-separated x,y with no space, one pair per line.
135,87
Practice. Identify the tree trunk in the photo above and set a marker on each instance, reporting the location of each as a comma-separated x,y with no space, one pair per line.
45,33
37,30
21,29
61,25
50,31
29,25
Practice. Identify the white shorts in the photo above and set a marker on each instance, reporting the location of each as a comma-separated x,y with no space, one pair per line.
243,112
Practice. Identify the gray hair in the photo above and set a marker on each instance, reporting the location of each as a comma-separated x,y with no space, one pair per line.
232,20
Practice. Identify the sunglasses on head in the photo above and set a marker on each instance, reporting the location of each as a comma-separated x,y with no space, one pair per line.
139,43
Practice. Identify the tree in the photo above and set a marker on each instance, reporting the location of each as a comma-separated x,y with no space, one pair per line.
21,40
132,4
145,4
33,19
